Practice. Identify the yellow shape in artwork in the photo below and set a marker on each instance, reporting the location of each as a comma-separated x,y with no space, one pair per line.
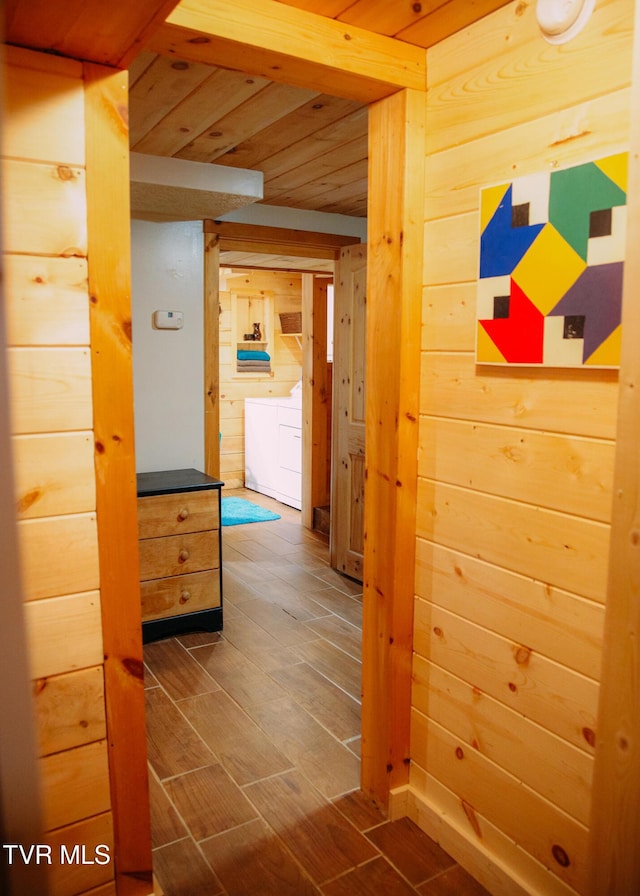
491,199
487,351
608,352
616,169
548,269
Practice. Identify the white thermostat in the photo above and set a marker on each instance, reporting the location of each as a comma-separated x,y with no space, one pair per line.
168,320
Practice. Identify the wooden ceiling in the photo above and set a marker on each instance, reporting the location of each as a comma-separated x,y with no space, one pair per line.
310,144
311,147
424,23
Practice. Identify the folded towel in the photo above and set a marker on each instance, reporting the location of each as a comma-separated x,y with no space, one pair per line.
254,366
253,356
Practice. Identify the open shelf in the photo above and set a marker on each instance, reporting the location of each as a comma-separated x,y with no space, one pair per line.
296,336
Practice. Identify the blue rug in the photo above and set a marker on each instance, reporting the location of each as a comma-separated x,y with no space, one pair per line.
237,511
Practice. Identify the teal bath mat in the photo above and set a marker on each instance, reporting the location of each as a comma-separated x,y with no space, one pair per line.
237,511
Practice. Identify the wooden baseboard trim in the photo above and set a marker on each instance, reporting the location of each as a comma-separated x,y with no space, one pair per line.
491,858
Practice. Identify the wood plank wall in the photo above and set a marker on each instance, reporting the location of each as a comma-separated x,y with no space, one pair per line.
286,362
515,476
44,205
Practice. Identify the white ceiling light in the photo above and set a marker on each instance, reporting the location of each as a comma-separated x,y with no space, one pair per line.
560,20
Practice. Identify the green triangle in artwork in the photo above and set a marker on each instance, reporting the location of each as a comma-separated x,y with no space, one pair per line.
574,194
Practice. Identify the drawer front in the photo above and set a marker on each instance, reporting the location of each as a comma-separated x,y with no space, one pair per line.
290,417
178,554
180,594
290,488
290,448
182,512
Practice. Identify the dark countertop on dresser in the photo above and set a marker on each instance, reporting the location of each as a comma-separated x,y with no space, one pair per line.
166,482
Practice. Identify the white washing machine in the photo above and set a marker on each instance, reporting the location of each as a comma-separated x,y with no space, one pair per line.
273,447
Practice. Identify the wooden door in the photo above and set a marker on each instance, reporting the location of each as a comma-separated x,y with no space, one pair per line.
347,463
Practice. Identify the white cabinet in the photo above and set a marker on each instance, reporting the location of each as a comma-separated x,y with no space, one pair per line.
273,448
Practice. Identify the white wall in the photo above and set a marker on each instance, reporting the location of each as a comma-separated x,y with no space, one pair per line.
167,273
167,262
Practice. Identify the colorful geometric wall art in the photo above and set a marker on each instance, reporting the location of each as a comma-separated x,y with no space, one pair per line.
551,258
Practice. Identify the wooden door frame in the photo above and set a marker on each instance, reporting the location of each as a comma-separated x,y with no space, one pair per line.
614,831
109,269
394,297
263,240
391,77
316,396
348,434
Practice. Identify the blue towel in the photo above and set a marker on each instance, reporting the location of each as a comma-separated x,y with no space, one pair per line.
253,356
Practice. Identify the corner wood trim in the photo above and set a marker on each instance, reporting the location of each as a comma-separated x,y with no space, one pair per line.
109,253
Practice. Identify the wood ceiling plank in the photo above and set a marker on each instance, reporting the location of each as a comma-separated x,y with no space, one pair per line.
387,18
290,45
342,156
312,197
110,33
344,177
265,107
164,84
306,151
38,23
329,8
446,20
356,207
319,113
139,66
221,93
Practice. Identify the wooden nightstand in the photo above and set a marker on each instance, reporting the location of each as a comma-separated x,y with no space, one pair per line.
180,552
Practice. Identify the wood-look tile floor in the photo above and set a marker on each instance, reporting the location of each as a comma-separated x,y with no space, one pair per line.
254,736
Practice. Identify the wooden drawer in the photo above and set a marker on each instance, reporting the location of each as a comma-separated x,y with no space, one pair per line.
180,594
181,512
178,554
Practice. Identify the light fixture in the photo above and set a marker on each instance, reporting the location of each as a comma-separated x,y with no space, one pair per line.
560,20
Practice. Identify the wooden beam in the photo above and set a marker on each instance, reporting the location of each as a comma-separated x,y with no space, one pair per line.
109,254
394,285
283,267
261,234
293,46
211,355
615,811
293,249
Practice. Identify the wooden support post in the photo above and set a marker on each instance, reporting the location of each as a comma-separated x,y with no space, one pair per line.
615,813
316,404
394,288
109,254
211,355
